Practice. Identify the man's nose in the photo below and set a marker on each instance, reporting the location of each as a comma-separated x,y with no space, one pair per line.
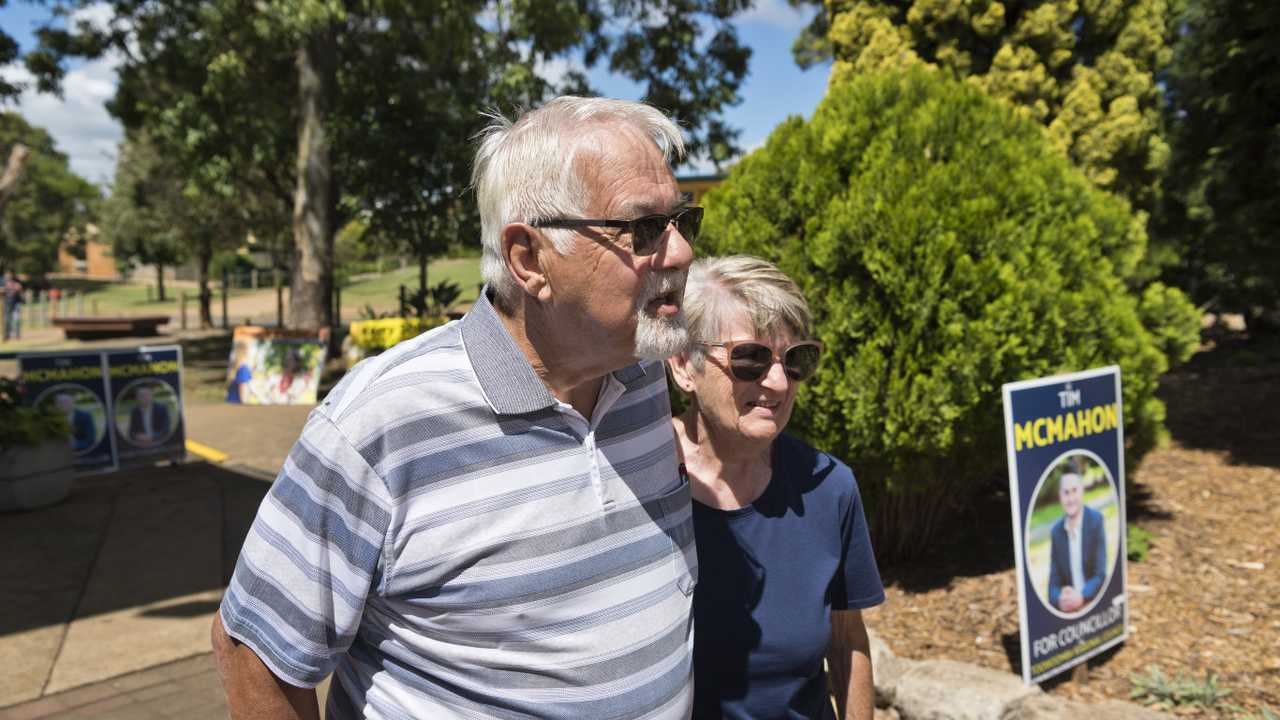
676,250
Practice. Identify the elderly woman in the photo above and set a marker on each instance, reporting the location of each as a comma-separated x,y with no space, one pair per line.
786,561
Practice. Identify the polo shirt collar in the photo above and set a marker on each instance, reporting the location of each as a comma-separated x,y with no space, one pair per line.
506,377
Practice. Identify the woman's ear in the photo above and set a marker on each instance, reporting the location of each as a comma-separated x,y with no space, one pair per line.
521,252
682,371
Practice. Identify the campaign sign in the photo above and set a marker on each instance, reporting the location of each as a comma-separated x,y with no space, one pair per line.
73,383
145,387
1065,438
271,366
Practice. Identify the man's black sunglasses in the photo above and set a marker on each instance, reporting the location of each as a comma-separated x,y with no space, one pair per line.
646,232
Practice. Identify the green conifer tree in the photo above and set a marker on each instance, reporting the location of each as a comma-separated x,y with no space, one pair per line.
1087,70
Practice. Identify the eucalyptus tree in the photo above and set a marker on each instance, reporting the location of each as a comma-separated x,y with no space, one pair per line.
48,204
368,105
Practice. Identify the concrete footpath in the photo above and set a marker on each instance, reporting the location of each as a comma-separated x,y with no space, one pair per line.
109,595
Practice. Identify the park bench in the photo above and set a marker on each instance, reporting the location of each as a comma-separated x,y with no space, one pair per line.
94,328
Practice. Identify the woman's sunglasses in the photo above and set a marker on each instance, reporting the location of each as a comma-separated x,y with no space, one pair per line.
750,360
646,232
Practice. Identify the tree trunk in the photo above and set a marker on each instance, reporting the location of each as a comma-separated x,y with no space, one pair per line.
160,281
422,279
309,305
13,172
204,257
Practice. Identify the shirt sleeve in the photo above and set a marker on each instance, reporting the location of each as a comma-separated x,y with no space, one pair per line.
311,558
857,583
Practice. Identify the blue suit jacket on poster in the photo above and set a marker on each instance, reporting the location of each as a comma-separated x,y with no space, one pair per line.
159,421
83,432
1093,556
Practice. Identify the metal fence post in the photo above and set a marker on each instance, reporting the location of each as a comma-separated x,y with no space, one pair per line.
225,280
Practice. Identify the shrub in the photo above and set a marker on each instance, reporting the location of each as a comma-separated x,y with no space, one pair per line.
27,426
945,249
1155,688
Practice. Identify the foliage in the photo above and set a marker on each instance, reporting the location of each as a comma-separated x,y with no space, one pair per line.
1223,208
1156,689
1138,543
140,219
1087,71
945,249
49,203
435,300
25,426
368,108
8,53
369,313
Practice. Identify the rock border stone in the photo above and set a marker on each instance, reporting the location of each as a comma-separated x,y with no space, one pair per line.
947,690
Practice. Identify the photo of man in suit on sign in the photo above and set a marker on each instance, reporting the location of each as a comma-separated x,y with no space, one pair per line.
149,420
84,432
1078,549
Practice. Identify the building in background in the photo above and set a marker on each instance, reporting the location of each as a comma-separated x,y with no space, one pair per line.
698,185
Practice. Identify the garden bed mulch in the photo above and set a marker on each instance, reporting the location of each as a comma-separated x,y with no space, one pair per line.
1207,597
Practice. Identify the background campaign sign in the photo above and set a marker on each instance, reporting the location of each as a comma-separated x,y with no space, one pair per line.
1066,485
145,387
74,383
272,366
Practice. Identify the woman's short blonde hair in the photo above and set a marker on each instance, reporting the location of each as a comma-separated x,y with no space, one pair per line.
719,288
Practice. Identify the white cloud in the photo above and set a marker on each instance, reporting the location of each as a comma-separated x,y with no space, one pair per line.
778,14
78,121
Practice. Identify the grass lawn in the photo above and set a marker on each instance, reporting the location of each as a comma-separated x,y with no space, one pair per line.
131,299
383,292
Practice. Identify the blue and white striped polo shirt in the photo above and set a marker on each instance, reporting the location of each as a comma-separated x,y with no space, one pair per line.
451,541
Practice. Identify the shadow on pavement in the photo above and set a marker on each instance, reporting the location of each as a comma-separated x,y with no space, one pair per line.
125,540
194,608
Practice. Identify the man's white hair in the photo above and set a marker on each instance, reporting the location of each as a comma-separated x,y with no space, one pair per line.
527,170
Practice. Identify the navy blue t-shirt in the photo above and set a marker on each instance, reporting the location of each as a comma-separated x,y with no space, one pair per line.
769,576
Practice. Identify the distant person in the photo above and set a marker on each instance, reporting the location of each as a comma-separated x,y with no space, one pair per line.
785,558
83,430
13,300
149,421
240,374
1078,552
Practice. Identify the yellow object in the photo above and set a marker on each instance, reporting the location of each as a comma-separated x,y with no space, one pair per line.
382,334
206,452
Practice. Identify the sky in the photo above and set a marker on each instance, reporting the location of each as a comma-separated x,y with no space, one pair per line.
774,88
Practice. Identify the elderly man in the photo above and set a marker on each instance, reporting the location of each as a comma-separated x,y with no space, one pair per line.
488,520
1078,549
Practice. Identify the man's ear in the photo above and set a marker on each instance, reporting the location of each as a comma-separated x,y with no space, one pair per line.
681,371
521,250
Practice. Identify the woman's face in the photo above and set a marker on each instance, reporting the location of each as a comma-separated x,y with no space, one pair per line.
755,410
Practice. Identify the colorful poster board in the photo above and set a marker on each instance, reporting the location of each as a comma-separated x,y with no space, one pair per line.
271,366
146,404
124,406
75,384
1065,438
